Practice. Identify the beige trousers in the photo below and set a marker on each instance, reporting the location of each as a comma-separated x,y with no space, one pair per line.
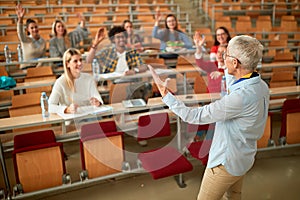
218,184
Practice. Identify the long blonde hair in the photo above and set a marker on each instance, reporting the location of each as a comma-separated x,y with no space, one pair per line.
54,33
67,72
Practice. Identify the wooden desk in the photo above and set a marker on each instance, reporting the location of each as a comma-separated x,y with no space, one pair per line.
22,73
27,85
146,74
118,108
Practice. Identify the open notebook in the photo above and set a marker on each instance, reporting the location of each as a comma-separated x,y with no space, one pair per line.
133,103
86,110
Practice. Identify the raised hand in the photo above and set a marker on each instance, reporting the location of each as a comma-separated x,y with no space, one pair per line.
99,36
158,16
80,16
215,75
199,40
161,85
20,11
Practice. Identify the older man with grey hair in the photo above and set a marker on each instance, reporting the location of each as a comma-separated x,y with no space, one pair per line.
240,118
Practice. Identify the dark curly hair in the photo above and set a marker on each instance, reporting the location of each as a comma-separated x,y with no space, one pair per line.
115,30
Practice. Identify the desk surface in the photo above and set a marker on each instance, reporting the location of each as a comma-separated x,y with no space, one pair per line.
118,108
31,61
34,84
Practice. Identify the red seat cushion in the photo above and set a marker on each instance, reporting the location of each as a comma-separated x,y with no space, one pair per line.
200,150
98,128
164,162
289,104
32,139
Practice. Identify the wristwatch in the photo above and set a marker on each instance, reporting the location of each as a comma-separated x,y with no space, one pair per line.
136,70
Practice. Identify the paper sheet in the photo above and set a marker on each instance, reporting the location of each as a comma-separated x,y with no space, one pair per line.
86,110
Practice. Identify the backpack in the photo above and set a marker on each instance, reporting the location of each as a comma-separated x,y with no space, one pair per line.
7,82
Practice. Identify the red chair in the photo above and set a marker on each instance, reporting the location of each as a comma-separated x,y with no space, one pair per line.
38,162
101,148
165,161
289,106
200,149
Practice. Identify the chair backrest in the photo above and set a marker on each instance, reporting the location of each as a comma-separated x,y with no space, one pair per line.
23,101
153,126
26,104
200,85
288,105
285,56
101,149
39,71
264,140
39,74
154,60
292,127
98,129
38,160
117,92
33,139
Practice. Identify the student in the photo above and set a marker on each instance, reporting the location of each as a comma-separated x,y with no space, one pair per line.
74,88
222,36
33,45
117,58
133,40
171,32
240,118
214,71
62,40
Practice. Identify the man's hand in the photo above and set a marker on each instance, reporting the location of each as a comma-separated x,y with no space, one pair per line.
99,37
129,72
161,85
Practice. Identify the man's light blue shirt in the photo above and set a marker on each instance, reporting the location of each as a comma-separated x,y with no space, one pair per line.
240,120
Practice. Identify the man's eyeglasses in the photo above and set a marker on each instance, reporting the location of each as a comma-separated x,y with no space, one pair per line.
226,55
120,37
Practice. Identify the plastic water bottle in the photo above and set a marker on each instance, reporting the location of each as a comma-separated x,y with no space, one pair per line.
7,54
44,105
20,53
223,86
96,69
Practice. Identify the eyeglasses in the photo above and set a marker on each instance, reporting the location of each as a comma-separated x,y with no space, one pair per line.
120,37
226,55
221,34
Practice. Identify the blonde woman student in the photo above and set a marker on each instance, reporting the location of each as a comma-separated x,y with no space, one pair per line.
74,88
62,40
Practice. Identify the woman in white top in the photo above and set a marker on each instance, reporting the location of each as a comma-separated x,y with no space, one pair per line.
73,89
33,45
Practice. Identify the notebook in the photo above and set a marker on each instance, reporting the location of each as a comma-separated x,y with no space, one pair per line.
133,103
